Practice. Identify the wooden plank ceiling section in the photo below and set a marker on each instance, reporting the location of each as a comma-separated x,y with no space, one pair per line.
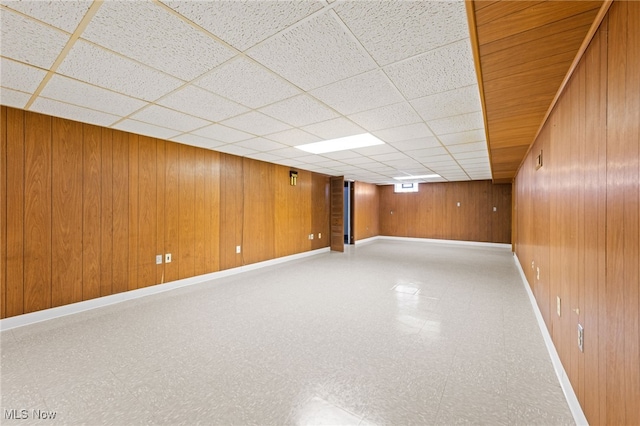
524,49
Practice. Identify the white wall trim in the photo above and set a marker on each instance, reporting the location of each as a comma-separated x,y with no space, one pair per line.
457,242
74,308
366,240
570,395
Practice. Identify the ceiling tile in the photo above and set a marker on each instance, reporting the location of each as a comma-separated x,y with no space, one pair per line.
360,160
293,137
403,133
458,123
315,53
449,103
463,137
13,98
146,129
391,31
260,144
161,116
414,144
265,156
194,140
97,66
386,117
256,123
471,154
375,150
427,152
439,70
333,129
389,156
342,155
147,32
289,153
28,41
72,112
18,76
222,133
466,147
242,24
65,15
75,92
403,164
299,111
201,103
359,93
235,150
247,83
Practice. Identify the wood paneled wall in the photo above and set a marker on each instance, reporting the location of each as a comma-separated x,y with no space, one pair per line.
365,210
85,210
433,212
578,221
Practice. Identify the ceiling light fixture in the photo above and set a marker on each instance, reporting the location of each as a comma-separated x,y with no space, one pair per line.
341,144
417,177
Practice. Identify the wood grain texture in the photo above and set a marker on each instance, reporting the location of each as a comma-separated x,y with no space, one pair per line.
133,211
147,211
336,216
231,210
106,214
37,212
91,192
120,144
186,200
587,196
365,211
67,213
199,212
258,238
212,217
3,212
433,212
172,210
161,214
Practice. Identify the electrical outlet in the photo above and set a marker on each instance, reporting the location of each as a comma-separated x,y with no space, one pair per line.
237,249
580,338
319,235
495,209
538,273
311,236
167,258
532,263
159,259
458,203
558,305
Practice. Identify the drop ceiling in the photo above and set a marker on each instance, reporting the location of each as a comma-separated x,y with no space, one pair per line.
257,78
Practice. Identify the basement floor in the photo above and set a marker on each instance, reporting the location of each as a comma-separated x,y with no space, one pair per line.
388,333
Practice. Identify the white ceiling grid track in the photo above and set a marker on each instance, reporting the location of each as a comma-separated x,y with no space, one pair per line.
256,78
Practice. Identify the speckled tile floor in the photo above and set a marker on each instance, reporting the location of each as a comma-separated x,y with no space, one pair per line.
389,332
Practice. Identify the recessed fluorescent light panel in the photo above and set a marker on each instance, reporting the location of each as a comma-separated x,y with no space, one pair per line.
341,144
417,177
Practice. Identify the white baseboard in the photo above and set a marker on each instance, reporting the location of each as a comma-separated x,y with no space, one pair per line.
570,395
73,308
438,241
367,240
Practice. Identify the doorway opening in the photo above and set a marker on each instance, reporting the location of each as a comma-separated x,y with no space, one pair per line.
348,212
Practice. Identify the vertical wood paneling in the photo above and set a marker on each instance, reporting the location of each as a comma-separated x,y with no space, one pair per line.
591,176
172,210
120,256
186,200
92,179
337,216
37,212
15,211
199,210
3,212
366,212
212,216
433,212
67,212
106,214
133,212
161,214
136,197
231,209
259,211
147,211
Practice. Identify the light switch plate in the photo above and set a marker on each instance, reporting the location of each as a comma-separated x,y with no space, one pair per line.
237,249
167,258
159,259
